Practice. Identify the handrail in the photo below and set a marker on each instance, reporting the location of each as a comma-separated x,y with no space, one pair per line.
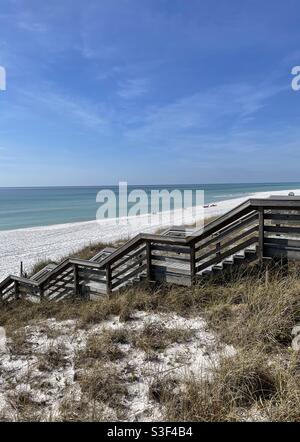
21,280
142,237
224,221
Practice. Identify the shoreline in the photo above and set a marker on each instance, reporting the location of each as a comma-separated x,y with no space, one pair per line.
34,244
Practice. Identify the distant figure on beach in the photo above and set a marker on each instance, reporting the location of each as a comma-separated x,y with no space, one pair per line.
206,206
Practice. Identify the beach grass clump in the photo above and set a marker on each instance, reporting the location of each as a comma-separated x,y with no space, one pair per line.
104,384
237,386
162,389
154,336
26,409
40,265
103,346
54,358
251,311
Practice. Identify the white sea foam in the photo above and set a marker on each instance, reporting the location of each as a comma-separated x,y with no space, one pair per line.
54,242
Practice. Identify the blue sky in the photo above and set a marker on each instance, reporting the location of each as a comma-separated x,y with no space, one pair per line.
166,91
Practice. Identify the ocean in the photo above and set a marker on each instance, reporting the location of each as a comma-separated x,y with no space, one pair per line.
44,206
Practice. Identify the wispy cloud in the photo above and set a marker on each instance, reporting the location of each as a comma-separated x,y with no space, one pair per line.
133,88
77,111
196,119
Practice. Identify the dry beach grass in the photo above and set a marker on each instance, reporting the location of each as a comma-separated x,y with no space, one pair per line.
253,311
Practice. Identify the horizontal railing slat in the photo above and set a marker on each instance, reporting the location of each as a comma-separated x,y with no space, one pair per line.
129,276
223,234
228,243
129,267
226,254
282,229
128,257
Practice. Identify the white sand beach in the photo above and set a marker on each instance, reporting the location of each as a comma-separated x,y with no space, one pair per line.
54,242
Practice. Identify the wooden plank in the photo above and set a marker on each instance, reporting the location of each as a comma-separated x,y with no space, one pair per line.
97,288
261,233
76,280
138,240
283,242
68,263
5,283
275,204
171,277
148,260
9,297
172,249
283,229
108,279
69,286
228,231
64,277
222,221
16,290
8,288
103,253
86,276
67,293
37,276
193,262
172,269
129,276
226,254
125,269
287,217
85,263
84,272
227,244
169,258
12,278
59,284
140,251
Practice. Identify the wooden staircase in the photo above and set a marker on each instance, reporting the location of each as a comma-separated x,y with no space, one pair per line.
257,229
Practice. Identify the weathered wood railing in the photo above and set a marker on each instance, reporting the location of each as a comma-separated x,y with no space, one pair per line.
271,227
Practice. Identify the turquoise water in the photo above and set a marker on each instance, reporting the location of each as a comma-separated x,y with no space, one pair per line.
43,206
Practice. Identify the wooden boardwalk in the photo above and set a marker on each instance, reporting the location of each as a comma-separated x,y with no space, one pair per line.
257,229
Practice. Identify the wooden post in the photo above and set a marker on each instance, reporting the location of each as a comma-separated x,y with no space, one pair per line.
148,258
193,262
218,248
76,280
21,269
261,233
41,290
108,279
17,290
